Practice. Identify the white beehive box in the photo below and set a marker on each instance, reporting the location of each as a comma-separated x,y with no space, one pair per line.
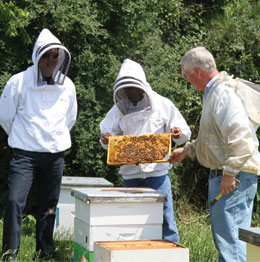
64,223
117,214
85,235
140,250
252,238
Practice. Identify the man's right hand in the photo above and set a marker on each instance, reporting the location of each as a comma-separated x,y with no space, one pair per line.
104,138
228,184
177,155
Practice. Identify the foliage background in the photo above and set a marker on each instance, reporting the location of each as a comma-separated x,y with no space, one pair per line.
156,33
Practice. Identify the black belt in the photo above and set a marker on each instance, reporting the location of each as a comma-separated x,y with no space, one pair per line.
216,172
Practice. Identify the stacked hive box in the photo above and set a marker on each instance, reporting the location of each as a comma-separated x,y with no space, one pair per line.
64,223
140,250
103,214
252,238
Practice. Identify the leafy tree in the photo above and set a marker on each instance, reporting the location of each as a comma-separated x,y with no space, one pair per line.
101,34
237,33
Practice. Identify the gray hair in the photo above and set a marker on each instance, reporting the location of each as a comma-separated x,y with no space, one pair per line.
198,57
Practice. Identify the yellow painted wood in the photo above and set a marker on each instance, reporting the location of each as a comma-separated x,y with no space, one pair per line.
115,142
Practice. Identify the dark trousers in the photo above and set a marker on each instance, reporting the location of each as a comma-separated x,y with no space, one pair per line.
47,169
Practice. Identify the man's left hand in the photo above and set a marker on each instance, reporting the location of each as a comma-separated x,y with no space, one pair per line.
176,132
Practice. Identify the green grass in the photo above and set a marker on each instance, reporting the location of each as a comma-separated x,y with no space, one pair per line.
63,243
195,233
194,230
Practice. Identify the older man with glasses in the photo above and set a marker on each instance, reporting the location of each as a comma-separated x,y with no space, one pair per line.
228,145
38,108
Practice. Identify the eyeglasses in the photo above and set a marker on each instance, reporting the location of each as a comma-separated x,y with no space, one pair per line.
48,55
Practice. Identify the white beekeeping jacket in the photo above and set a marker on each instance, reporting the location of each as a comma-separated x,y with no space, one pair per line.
37,116
154,114
227,138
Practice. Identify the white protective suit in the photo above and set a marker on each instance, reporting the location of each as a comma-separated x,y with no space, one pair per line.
38,117
154,114
227,138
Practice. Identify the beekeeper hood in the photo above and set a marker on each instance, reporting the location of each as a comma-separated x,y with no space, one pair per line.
46,41
131,75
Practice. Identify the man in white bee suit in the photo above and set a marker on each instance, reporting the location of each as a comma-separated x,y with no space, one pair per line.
38,108
227,144
140,110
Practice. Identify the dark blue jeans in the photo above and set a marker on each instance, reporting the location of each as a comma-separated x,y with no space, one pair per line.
163,185
47,169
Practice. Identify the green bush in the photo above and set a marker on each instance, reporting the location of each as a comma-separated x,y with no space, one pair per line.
100,35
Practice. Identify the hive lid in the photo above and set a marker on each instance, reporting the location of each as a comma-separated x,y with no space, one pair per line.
118,194
70,181
136,149
250,235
